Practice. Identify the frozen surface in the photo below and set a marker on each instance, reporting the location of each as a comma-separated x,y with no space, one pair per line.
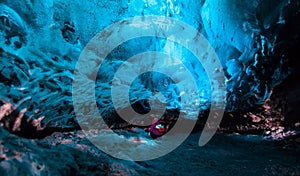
71,153
43,39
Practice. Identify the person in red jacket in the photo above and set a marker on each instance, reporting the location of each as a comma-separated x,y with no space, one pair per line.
156,129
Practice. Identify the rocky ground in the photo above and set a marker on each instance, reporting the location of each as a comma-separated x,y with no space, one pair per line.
70,153
273,150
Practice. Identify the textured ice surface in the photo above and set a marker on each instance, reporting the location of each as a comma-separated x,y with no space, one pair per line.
56,31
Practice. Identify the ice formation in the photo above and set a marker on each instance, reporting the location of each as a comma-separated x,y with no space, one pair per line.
56,31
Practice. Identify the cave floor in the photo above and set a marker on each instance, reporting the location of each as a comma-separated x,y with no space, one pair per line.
229,155
72,154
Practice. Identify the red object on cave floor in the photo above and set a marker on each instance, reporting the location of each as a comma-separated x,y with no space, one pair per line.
156,130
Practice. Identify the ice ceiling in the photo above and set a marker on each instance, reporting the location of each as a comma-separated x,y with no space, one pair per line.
42,40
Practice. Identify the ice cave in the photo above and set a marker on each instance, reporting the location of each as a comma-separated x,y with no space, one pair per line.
149,87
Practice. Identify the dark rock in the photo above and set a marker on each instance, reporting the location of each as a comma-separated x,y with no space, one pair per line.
69,33
286,98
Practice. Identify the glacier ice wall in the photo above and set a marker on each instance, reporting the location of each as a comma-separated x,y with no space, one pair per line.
41,41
